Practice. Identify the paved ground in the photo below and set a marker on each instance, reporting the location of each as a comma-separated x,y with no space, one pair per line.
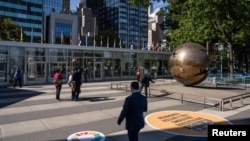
32,113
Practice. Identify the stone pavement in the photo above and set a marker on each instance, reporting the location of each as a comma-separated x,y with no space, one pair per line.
32,113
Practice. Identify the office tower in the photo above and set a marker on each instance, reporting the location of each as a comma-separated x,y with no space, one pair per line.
27,15
129,22
87,22
61,23
57,6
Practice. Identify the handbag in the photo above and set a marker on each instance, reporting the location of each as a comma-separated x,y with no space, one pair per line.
58,81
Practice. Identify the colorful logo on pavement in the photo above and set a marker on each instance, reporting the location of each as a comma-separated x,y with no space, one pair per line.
86,136
186,123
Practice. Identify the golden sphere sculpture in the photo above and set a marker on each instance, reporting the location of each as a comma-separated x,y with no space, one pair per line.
189,64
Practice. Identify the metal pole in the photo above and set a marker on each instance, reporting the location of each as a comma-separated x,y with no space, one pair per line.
86,40
221,67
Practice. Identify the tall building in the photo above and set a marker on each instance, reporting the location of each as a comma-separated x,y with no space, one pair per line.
87,21
61,24
57,6
27,14
155,33
129,22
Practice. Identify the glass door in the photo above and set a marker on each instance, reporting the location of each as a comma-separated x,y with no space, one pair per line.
98,71
3,72
36,72
58,65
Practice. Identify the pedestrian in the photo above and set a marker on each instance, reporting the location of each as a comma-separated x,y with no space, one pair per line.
138,75
133,109
17,77
145,82
58,83
71,83
76,77
85,73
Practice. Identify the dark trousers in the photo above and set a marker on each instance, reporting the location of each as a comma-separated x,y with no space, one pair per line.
133,135
75,93
19,81
85,78
145,89
58,91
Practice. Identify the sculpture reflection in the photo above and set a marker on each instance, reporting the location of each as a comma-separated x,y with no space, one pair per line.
189,64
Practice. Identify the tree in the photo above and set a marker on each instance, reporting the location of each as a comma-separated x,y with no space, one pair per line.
203,21
9,31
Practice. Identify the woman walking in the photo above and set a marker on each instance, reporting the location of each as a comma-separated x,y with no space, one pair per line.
58,83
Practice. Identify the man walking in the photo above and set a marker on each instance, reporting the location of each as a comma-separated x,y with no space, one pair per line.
133,109
145,83
17,77
85,73
77,79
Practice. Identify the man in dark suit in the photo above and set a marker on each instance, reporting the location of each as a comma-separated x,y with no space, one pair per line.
133,109
77,79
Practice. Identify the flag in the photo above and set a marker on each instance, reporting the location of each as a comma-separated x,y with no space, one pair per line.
21,35
52,35
41,38
70,39
31,36
120,43
101,41
94,42
114,44
107,42
145,47
79,40
62,40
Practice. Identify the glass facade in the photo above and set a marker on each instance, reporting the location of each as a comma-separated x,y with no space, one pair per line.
63,33
128,21
38,62
26,14
53,6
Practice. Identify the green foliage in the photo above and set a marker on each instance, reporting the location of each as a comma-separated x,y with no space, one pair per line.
9,31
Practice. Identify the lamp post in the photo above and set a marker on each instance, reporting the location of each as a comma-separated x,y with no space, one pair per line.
220,48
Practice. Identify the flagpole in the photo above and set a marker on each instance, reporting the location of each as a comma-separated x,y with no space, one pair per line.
52,34
120,43
79,40
31,38
107,42
61,37
41,38
94,31
21,38
101,40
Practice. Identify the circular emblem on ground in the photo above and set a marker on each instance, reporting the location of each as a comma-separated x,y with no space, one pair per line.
86,136
186,123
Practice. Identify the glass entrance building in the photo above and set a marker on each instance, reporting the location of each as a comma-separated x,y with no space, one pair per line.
38,62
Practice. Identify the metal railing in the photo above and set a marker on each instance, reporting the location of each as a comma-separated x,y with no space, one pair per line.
119,86
206,100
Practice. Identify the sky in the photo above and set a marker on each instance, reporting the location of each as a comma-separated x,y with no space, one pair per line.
73,4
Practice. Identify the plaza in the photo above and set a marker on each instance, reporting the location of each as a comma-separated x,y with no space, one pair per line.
32,113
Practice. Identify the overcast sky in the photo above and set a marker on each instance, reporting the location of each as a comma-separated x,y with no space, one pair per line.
73,4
